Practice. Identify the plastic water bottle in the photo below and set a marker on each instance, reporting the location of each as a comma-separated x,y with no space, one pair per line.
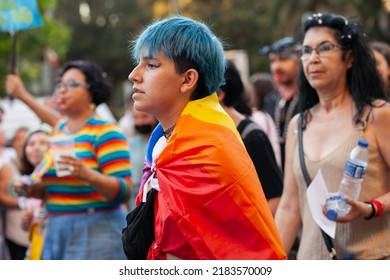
355,168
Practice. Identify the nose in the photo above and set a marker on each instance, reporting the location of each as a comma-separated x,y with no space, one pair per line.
60,90
134,75
274,66
316,53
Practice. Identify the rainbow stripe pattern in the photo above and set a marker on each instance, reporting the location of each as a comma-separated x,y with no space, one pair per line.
211,204
101,146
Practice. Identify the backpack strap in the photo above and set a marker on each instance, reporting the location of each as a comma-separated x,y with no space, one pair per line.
248,129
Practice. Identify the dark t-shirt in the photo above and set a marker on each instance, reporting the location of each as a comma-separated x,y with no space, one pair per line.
270,103
260,150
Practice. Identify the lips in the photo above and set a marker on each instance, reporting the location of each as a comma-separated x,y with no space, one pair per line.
277,76
315,73
136,92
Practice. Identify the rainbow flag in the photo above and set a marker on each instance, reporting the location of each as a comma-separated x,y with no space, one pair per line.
43,167
211,204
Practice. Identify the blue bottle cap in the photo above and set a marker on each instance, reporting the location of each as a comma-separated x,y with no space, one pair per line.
362,143
349,256
331,214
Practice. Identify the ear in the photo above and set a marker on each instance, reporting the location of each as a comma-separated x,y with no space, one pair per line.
221,95
190,80
349,59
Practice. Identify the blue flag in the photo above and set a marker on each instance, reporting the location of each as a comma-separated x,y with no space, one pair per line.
19,14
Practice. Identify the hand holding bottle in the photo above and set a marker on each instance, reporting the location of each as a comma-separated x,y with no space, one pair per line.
336,205
358,210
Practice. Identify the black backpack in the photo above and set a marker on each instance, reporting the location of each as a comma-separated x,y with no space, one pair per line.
138,235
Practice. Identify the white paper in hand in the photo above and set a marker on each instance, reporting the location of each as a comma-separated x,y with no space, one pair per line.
317,193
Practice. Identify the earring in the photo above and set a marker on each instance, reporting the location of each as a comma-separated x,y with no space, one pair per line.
92,106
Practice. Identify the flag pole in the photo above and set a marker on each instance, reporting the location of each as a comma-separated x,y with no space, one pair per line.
13,52
13,59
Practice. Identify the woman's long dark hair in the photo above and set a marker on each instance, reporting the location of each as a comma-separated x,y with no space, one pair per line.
363,79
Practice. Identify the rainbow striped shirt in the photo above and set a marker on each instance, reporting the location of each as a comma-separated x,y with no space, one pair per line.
101,146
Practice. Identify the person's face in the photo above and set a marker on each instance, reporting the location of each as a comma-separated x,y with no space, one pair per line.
144,123
284,68
73,95
382,66
36,147
156,85
325,72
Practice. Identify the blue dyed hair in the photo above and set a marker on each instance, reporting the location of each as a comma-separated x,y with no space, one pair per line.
189,44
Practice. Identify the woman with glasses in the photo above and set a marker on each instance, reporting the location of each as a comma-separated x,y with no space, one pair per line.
341,100
85,217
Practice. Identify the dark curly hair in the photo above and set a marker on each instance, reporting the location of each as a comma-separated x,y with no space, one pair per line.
99,87
363,79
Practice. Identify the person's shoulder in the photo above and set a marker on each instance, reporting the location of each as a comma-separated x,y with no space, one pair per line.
272,96
104,126
99,121
293,124
380,111
251,128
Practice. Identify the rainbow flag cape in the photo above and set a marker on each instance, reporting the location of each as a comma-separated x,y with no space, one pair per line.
211,204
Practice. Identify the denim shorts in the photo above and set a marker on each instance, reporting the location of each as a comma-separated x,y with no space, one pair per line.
95,236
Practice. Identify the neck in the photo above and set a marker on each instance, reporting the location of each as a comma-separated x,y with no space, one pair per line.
288,91
236,116
331,101
76,122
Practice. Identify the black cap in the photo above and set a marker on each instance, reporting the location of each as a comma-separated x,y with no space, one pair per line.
280,46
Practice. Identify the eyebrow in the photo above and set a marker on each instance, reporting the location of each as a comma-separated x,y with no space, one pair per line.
322,42
149,57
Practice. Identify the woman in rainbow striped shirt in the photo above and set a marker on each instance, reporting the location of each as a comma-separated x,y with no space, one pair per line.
85,217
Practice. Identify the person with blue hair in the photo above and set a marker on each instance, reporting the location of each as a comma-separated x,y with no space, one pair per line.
210,203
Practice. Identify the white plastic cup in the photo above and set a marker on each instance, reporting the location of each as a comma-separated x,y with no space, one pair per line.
61,145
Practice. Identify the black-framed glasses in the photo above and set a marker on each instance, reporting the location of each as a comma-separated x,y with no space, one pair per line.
70,84
323,50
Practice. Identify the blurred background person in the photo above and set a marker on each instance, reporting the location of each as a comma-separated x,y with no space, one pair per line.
16,238
15,146
1,114
85,217
144,124
4,170
382,57
34,148
262,85
281,104
126,121
256,141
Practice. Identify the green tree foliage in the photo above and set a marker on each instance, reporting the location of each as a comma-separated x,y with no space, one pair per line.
32,44
101,29
101,33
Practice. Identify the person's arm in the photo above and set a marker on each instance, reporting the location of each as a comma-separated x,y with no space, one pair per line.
260,150
15,88
379,133
6,198
113,180
288,217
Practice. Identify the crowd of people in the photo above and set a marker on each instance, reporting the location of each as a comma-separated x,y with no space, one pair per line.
221,155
